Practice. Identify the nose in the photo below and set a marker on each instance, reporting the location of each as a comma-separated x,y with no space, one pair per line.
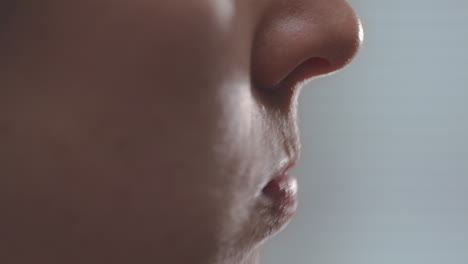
300,39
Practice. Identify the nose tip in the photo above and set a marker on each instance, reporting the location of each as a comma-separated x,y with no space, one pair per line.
344,45
319,37
337,52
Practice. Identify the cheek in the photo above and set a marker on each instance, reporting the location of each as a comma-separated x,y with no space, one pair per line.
140,118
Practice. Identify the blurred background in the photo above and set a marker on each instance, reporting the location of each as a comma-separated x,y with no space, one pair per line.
384,172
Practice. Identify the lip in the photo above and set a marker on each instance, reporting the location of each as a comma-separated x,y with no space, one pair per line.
276,199
279,196
283,169
281,189
282,192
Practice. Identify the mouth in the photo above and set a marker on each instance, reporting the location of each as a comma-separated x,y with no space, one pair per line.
279,198
282,191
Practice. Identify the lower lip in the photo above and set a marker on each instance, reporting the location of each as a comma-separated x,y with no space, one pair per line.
281,192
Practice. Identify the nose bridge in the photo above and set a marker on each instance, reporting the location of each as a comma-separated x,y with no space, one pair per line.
297,30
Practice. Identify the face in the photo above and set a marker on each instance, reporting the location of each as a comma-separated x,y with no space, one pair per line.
155,131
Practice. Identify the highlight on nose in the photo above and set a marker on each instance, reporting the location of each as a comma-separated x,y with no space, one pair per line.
316,66
293,47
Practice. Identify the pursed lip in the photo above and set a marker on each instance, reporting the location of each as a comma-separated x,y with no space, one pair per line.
286,164
283,167
279,197
285,159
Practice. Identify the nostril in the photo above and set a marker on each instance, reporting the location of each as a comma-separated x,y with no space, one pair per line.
282,94
310,68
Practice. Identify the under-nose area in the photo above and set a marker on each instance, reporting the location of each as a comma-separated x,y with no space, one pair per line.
304,39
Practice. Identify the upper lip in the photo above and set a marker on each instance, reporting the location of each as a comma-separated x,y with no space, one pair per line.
286,152
286,164
286,161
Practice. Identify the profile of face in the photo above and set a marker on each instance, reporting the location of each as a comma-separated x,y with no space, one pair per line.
139,131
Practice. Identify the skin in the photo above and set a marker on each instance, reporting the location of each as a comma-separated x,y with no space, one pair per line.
138,131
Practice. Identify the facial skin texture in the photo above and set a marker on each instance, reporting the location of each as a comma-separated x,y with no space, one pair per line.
141,131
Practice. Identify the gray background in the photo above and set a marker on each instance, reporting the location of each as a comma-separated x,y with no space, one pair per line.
384,172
